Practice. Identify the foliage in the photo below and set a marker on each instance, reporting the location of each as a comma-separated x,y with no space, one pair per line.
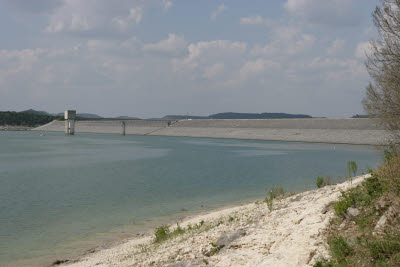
320,181
339,248
383,93
24,119
273,193
214,249
355,241
161,234
322,263
164,233
352,168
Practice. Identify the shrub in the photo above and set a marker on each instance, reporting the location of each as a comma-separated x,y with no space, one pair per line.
352,168
322,263
381,250
373,186
339,248
273,193
320,181
161,234
341,207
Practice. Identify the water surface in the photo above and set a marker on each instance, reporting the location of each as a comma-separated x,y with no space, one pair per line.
61,195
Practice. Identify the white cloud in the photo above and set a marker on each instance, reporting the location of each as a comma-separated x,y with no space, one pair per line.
99,15
173,45
167,4
363,49
252,20
335,47
332,12
17,62
214,70
219,11
134,18
252,69
256,20
73,16
286,41
206,51
203,54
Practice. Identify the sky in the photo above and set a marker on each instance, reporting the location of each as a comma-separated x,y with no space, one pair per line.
150,58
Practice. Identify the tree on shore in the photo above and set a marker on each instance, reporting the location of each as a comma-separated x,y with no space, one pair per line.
383,93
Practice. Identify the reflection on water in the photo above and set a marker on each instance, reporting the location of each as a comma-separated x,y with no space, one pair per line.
61,195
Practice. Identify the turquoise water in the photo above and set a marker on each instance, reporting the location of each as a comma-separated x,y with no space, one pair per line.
61,195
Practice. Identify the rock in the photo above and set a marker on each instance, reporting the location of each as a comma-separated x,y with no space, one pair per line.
342,225
351,241
59,262
382,203
324,210
225,239
296,198
381,223
195,263
352,212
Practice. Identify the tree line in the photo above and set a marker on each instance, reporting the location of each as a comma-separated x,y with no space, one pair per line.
24,119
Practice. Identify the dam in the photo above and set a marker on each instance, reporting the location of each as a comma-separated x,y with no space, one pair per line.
319,130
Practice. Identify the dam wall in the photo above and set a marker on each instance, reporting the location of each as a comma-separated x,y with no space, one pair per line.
346,131
139,127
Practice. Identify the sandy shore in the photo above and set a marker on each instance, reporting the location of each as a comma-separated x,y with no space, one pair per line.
289,235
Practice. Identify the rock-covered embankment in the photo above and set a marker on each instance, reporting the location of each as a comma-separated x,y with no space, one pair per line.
347,131
292,234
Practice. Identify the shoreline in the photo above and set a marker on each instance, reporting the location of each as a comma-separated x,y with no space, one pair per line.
15,128
261,227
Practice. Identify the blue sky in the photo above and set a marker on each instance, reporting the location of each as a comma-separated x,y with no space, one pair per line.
149,58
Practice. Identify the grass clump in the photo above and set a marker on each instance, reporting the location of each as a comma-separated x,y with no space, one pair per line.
320,181
274,193
162,233
352,168
339,248
215,248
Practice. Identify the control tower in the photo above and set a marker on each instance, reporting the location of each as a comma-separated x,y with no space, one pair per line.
70,116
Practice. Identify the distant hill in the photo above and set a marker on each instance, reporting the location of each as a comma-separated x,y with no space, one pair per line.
183,117
234,115
360,116
127,118
88,116
84,115
37,112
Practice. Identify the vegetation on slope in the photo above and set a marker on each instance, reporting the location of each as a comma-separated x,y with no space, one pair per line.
24,119
366,227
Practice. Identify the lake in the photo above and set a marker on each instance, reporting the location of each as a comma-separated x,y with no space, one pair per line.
62,195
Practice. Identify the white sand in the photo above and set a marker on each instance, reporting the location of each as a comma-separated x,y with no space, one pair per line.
290,235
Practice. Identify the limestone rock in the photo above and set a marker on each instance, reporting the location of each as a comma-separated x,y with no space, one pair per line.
195,263
352,212
227,238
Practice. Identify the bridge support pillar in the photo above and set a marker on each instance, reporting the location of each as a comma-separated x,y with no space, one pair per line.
123,128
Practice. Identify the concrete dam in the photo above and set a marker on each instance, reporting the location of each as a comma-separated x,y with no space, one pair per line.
321,130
